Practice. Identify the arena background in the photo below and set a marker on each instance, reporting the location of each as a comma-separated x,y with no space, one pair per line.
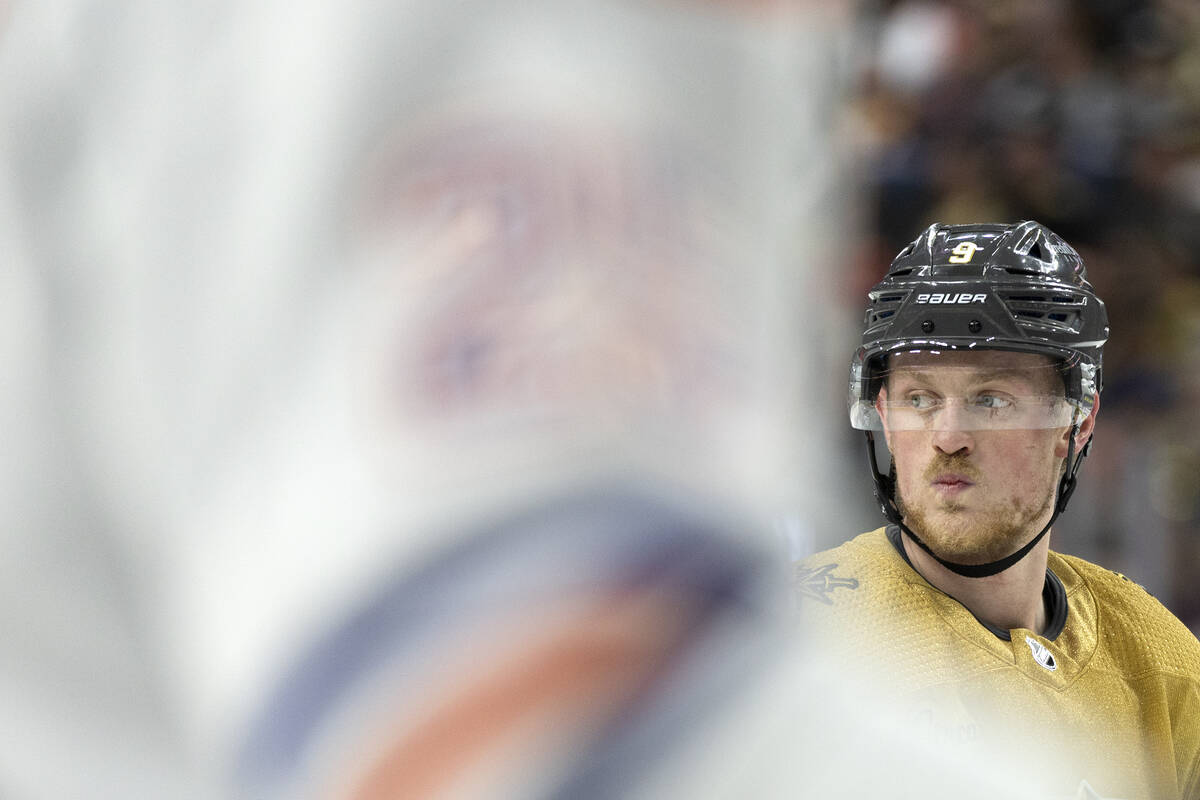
356,356
1082,115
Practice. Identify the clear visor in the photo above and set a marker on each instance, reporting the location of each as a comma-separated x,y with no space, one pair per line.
1011,392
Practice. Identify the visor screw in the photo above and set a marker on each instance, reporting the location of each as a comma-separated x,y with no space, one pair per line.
927,326
975,326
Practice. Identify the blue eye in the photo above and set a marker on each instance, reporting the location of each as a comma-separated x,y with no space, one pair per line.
922,402
992,402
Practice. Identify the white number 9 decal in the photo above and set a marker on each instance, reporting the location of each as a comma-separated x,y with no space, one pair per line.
963,252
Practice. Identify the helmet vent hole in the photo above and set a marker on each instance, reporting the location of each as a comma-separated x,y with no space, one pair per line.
1046,313
1037,251
883,306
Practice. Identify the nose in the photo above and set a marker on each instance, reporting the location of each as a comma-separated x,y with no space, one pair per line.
950,435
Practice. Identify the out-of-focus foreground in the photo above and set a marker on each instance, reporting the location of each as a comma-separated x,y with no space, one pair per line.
399,398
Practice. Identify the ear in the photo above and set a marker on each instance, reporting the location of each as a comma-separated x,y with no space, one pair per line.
1085,431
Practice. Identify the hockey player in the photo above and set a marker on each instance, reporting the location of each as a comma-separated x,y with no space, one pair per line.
980,365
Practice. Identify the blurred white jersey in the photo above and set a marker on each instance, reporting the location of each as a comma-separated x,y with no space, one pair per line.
307,305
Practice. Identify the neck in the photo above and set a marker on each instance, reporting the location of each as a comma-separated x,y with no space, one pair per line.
1007,600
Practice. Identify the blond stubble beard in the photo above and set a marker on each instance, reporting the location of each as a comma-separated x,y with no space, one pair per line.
978,536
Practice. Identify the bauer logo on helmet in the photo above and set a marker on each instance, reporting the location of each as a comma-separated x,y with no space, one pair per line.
951,299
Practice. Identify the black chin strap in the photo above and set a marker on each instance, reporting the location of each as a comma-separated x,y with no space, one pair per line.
885,492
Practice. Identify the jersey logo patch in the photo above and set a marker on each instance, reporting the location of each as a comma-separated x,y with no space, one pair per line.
1041,654
819,582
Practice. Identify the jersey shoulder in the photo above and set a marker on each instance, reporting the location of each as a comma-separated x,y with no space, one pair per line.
1136,630
850,574
874,619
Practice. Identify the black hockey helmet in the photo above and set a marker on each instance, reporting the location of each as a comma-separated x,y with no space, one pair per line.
983,287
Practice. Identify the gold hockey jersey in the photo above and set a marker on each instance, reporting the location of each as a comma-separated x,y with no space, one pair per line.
1107,698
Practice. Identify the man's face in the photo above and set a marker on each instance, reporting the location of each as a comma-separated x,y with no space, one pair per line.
974,490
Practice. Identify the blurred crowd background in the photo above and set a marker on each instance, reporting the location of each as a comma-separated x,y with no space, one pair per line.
1083,115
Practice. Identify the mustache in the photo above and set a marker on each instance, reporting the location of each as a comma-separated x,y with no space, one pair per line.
959,465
